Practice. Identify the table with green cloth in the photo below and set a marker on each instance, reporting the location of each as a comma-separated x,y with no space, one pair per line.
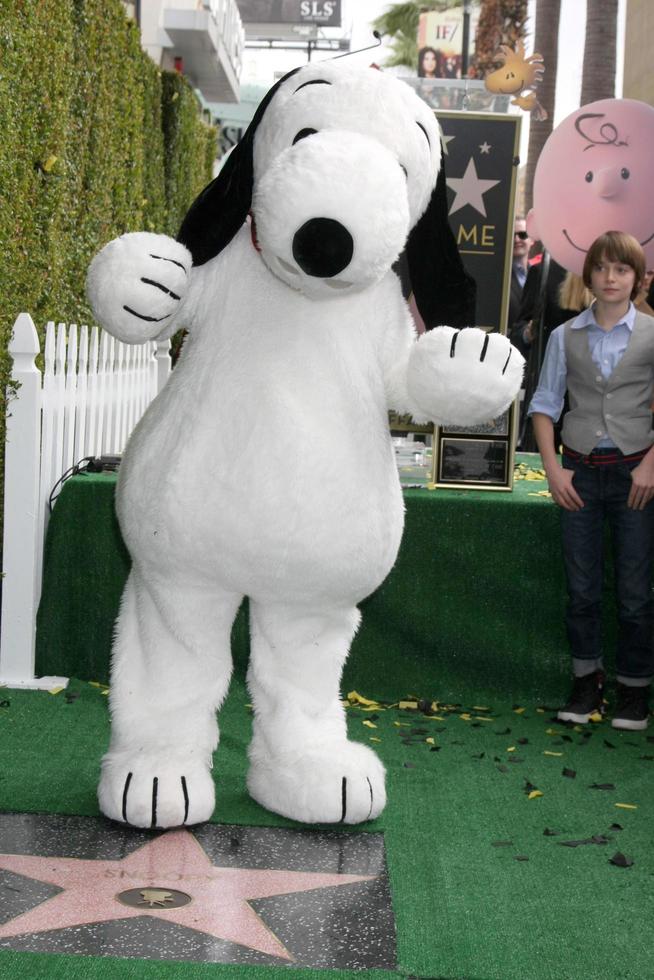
476,597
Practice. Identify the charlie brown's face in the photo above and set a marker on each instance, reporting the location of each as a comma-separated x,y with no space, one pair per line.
594,175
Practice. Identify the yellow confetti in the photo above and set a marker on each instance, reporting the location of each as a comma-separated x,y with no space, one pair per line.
465,716
518,711
552,753
596,716
627,806
402,724
49,163
408,705
511,748
551,731
373,738
541,711
479,707
430,740
355,698
56,690
483,718
373,707
368,724
534,794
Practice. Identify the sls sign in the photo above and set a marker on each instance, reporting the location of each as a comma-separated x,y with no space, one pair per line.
321,12
325,13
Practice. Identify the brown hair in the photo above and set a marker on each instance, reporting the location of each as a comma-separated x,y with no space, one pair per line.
616,246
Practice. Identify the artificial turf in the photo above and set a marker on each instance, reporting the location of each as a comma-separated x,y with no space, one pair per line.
482,807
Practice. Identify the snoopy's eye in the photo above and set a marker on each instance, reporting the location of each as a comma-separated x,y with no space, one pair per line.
404,171
624,173
302,134
589,176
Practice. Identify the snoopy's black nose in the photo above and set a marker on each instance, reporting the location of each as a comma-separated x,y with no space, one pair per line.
322,247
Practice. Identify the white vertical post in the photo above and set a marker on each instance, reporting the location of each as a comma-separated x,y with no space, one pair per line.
21,588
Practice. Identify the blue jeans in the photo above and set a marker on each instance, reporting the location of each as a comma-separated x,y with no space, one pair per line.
604,490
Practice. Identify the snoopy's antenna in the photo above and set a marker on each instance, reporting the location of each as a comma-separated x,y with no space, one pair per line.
347,54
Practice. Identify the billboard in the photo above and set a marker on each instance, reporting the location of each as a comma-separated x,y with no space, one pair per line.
324,13
440,47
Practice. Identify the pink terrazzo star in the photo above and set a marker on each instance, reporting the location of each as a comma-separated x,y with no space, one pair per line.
175,860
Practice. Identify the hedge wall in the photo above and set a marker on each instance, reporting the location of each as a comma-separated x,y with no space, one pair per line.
96,141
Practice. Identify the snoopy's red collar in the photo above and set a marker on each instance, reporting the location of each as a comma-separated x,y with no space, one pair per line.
253,232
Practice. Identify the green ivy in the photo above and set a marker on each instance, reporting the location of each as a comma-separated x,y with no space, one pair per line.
96,141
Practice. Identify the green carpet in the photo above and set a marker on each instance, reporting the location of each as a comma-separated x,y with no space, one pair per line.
479,890
476,596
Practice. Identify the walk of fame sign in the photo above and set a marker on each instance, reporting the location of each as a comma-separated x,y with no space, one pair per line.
217,894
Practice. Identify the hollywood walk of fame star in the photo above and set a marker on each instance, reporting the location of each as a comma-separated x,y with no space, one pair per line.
445,140
485,147
220,906
470,189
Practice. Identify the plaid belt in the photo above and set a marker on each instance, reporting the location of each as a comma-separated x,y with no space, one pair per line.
605,457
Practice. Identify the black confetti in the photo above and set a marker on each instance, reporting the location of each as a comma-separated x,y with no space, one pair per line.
515,758
435,748
502,843
507,731
551,833
566,738
523,741
480,756
569,773
648,758
409,765
521,857
529,787
5,704
616,826
608,744
602,786
621,860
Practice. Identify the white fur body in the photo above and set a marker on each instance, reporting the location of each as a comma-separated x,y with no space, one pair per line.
265,466
274,423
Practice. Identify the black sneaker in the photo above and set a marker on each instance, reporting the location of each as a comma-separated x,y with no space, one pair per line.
632,708
586,699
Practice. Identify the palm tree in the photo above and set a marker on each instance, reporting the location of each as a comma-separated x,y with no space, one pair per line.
500,22
598,78
546,39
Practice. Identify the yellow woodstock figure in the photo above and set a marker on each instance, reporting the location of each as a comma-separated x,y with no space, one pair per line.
518,74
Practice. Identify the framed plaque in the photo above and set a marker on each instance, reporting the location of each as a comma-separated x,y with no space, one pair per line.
480,456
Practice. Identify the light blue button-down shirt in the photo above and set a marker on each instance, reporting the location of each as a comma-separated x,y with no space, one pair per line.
606,348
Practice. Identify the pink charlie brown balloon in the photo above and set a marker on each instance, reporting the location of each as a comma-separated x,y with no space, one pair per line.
594,174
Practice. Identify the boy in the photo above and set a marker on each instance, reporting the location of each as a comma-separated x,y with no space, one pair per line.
604,358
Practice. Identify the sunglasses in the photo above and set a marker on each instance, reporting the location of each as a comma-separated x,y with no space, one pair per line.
522,235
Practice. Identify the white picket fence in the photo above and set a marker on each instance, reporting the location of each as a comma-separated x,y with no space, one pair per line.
93,391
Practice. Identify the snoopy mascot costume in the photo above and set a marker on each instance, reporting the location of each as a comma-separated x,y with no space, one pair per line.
265,467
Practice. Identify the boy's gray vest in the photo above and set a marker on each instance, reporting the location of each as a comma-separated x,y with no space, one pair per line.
620,406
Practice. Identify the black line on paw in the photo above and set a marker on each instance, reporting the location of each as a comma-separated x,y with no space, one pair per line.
164,259
455,337
158,285
372,799
148,319
507,360
155,790
125,789
185,792
482,356
343,799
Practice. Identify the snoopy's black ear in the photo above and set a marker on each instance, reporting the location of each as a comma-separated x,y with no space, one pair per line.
444,292
221,208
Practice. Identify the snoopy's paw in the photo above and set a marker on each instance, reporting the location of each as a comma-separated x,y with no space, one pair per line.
136,285
463,377
156,791
342,785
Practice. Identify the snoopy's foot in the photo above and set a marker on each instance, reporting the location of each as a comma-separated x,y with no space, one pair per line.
341,784
155,790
